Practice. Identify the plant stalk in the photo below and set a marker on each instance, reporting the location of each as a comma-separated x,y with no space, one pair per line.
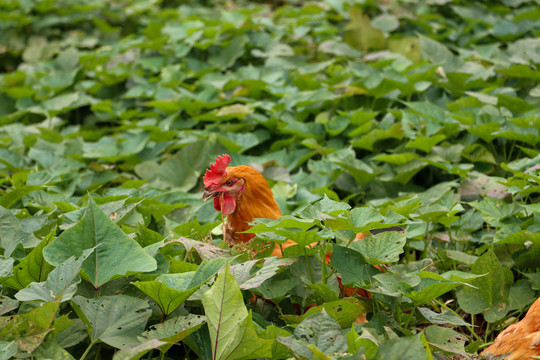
87,350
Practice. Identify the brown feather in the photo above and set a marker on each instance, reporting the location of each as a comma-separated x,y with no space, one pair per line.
522,339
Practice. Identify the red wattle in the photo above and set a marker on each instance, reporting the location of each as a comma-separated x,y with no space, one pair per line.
228,206
217,203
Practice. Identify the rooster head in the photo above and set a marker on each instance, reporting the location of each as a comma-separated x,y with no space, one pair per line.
222,185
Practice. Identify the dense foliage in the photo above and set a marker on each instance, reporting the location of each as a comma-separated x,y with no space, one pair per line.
361,114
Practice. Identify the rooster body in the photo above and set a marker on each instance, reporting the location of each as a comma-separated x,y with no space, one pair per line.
241,193
520,340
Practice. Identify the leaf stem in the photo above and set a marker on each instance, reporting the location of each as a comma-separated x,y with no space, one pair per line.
410,316
87,350
309,267
471,328
98,351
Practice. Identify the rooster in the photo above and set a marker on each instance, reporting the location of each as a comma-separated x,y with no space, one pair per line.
241,193
520,340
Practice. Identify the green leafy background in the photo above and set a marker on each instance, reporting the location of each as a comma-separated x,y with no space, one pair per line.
361,115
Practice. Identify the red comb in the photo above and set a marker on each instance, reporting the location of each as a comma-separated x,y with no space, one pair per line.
216,171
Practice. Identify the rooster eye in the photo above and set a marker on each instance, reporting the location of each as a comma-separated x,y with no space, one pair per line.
229,183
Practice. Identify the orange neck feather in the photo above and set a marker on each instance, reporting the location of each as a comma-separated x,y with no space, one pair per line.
256,201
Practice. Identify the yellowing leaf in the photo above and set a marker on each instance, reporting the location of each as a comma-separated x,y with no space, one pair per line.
239,110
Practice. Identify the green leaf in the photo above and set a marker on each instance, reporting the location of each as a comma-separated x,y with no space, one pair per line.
397,159
438,53
169,298
194,230
521,295
324,206
286,221
362,217
7,304
6,267
32,268
170,291
231,329
445,317
319,330
12,233
382,248
236,110
356,342
352,266
425,143
478,153
61,283
174,330
115,254
429,288
344,312
277,288
138,351
226,56
11,198
28,330
192,159
246,280
446,339
411,347
116,320
535,280
461,257
491,292
8,349
368,141
362,34
272,333
51,349
494,210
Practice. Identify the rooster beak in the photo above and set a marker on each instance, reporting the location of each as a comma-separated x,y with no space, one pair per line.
208,194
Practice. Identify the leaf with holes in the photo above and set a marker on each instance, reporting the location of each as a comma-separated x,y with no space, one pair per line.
446,339
319,330
116,320
28,330
174,330
136,352
60,284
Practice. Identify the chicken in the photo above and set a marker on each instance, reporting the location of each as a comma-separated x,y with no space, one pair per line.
520,340
241,193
